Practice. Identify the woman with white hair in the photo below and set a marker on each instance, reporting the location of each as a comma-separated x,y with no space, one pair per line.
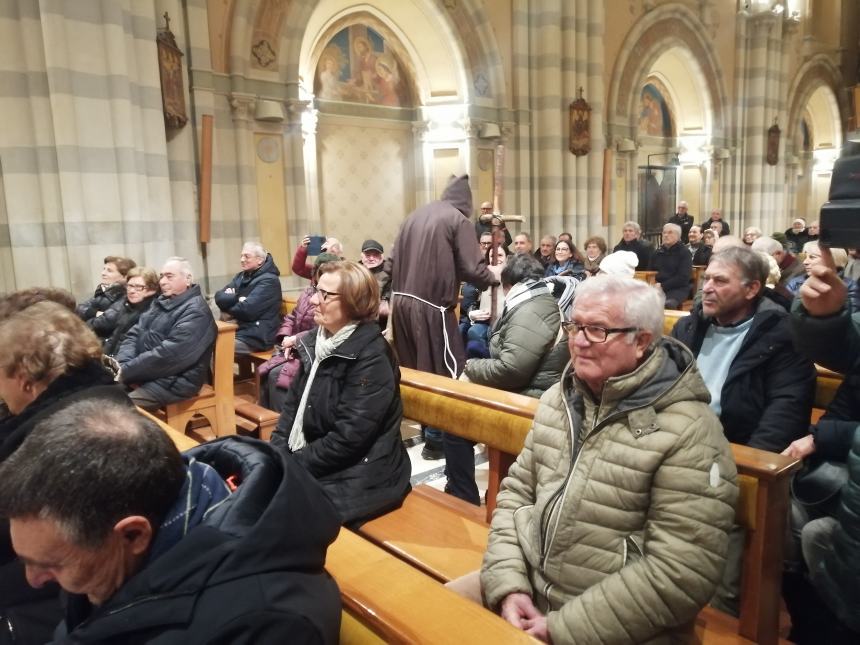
813,258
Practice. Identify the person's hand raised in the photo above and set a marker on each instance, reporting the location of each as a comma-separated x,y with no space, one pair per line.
823,293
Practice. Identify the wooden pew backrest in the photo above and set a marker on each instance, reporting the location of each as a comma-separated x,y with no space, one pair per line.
491,416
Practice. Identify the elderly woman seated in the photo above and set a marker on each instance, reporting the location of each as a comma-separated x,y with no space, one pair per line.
110,289
525,353
49,360
341,417
813,258
141,289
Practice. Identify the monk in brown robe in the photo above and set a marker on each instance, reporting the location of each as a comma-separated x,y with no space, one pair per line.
434,252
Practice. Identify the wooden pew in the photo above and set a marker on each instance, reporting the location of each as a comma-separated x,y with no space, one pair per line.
387,601
501,421
399,604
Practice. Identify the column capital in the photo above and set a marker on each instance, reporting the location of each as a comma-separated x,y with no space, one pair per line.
242,105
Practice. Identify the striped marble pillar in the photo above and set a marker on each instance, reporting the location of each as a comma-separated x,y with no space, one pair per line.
557,50
83,146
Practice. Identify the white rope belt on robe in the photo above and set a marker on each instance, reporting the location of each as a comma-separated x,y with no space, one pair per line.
447,351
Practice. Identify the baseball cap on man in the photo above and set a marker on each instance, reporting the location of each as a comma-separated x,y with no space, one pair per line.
371,245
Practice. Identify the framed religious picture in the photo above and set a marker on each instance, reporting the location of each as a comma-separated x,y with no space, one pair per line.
580,126
773,144
170,71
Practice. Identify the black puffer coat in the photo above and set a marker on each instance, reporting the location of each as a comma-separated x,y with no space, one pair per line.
168,351
101,301
29,615
767,396
259,315
118,320
838,579
351,424
251,574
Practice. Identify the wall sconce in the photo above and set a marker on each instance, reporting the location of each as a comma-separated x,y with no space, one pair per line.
489,131
626,145
267,110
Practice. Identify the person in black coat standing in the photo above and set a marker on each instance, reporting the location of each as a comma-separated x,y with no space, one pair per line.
165,357
226,544
683,219
341,418
674,266
253,300
35,336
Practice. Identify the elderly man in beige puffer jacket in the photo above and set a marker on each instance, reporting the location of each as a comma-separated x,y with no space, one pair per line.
611,526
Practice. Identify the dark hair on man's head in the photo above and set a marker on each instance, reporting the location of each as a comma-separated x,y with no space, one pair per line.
17,300
123,265
90,465
520,268
751,266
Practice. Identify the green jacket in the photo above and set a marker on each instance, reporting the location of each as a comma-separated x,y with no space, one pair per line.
524,357
623,539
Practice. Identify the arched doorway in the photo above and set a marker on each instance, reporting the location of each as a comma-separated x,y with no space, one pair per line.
667,68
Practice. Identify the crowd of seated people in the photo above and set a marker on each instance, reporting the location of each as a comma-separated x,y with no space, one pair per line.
569,330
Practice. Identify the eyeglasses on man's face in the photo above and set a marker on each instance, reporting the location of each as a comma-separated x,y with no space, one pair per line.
594,333
323,294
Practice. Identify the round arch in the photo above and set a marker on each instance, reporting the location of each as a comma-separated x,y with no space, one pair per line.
814,86
669,27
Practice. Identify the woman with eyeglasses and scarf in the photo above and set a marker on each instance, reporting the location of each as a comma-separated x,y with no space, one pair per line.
341,417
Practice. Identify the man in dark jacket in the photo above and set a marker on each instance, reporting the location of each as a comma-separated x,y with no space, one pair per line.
165,357
253,300
224,545
760,387
674,267
717,216
436,249
683,219
630,234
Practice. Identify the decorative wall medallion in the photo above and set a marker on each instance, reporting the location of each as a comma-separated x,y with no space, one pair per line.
485,159
450,5
580,126
482,85
268,149
263,53
773,144
170,72
620,168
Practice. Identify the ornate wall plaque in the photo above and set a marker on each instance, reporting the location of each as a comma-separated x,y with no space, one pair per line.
580,126
773,144
170,71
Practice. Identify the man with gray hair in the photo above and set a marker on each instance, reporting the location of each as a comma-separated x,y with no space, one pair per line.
165,356
789,265
225,544
628,426
253,299
760,387
674,266
631,233
546,251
